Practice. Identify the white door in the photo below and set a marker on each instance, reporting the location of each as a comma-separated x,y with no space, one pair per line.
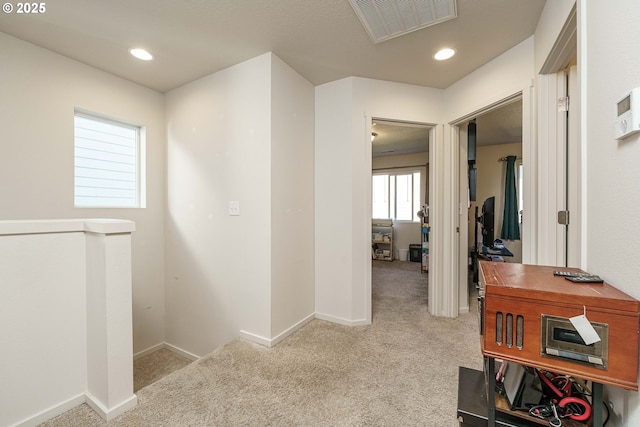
573,229
558,170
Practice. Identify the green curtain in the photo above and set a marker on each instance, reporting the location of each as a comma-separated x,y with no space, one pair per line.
510,223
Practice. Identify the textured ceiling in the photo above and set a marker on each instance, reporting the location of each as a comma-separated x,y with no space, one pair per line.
393,138
502,125
322,40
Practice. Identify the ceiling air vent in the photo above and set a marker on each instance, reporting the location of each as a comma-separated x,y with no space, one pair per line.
386,19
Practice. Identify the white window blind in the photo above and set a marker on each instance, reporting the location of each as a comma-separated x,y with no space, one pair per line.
106,168
396,196
380,197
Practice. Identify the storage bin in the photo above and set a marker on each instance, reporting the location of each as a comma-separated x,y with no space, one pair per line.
415,252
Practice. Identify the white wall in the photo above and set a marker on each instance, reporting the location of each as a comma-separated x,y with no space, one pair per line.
550,24
42,312
343,185
333,212
218,266
613,199
292,204
40,90
509,74
234,136
65,311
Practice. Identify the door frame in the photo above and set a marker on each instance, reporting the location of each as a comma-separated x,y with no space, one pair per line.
369,162
560,153
525,97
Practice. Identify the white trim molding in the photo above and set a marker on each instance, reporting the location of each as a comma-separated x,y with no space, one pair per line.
114,411
271,342
443,222
341,321
170,347
52,412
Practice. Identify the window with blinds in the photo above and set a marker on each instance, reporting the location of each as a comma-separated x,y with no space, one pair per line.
106,163
396,196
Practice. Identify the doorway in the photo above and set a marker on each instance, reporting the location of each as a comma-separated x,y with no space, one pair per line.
498,136
399,200
488,138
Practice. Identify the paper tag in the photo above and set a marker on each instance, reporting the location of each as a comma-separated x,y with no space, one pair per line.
584,328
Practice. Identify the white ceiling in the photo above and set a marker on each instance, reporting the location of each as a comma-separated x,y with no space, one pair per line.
502,125
394,138
322,39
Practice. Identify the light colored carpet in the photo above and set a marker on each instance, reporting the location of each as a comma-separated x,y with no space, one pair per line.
400,371
150,368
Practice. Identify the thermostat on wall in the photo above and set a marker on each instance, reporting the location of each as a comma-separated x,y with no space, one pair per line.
628,114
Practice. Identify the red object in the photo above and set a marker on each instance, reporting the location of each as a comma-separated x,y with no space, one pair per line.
578,417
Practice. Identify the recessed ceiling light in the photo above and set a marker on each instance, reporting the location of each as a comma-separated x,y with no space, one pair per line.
443,54
141,54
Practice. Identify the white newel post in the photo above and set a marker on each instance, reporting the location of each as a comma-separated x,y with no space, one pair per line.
109,317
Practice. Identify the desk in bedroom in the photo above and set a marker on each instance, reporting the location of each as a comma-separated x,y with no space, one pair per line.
486,254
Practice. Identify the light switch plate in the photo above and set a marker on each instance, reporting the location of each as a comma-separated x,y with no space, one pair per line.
234,208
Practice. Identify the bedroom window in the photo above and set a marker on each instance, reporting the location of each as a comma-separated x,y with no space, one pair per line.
396,196
106,162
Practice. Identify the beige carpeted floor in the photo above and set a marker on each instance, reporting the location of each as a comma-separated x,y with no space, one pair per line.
400,371
152,367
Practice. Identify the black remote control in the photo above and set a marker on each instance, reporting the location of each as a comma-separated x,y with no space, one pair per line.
585,279
570,274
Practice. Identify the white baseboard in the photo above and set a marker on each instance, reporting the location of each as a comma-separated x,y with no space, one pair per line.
256,338
90,400
148,351
281,336
170,347
181,352
109,414
54,411
270,342
341,321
